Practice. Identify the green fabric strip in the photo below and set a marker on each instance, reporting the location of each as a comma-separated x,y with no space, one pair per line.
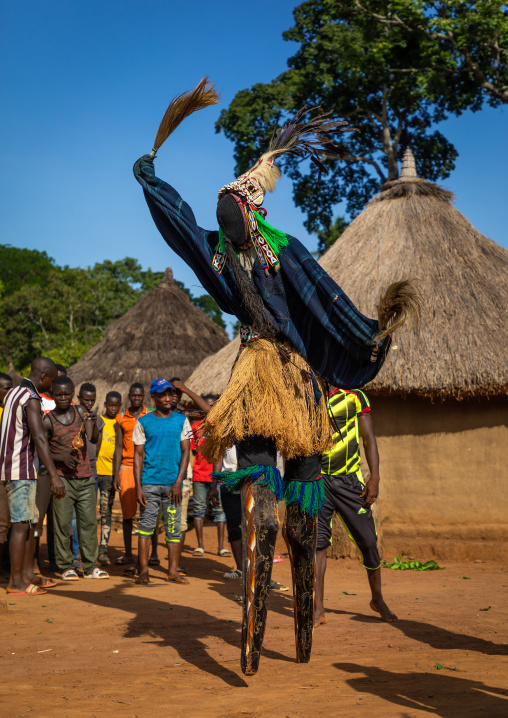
266,475
276,238
309,495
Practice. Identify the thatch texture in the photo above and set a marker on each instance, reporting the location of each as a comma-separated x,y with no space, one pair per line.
16,378
163,335
212,375
411,230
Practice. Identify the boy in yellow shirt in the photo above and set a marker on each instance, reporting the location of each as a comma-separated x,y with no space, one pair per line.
109,434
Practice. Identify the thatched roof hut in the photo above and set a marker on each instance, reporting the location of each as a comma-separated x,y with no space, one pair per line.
164,334
412,230
16,378
212,375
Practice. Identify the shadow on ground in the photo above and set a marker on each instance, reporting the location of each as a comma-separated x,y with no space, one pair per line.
439,694
434,636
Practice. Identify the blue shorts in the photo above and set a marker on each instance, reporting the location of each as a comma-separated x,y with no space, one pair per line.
199,489
157,496
21,496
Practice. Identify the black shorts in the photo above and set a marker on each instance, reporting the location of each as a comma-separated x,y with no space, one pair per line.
342,496
232,505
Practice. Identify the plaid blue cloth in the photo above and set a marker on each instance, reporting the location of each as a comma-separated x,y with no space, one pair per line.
308,308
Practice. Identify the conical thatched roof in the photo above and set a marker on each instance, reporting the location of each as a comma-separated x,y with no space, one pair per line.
16,378
212,375
163,335
412,230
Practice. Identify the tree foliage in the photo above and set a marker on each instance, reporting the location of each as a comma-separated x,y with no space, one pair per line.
62,312
473,38
393,77
326,237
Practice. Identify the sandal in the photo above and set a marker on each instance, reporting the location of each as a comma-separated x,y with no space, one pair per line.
124,560
103,559
235,573
143,580
30,590
47,583
224,552
198,552
130,572
97,573
70,575
178,579
154,561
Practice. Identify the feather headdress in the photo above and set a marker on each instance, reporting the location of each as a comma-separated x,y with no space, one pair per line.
313,139
203,95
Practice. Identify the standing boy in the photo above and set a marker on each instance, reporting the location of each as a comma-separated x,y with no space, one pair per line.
5,522
161,456
109,435
347,494
66,426
124,467
22,441
201,481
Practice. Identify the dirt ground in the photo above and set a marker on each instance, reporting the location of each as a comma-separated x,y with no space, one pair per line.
111,648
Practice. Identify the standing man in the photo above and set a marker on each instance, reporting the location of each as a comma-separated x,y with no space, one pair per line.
22,441
66,427
347,494
5,522
161,457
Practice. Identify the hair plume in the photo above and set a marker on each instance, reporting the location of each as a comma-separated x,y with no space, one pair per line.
313,139
203,95
401,302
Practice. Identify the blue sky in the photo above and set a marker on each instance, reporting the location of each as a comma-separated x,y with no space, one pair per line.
84,86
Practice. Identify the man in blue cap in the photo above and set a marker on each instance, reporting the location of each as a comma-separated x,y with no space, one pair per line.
161,455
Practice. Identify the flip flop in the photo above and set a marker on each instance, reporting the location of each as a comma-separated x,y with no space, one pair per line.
224,552
124,561
47,583
130,572
198,552
30,590
178,579
143,581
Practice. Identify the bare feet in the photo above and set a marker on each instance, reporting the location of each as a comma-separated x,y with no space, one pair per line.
320,619
380,607
143,578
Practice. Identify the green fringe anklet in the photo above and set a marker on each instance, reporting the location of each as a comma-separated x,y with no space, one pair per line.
309,495
267,475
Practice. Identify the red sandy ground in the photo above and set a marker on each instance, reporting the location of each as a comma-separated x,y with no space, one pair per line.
111,648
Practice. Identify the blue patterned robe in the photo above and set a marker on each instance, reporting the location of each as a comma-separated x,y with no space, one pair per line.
304,303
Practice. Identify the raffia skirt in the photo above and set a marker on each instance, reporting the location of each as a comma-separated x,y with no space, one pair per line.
269,396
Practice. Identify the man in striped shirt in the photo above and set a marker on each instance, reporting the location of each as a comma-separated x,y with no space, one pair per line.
347,494
22,441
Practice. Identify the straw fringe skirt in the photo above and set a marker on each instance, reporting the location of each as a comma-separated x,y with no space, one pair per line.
268,397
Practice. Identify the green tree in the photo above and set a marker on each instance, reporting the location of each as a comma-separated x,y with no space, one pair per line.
62,312
357,67
472,66
326,237
23,266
